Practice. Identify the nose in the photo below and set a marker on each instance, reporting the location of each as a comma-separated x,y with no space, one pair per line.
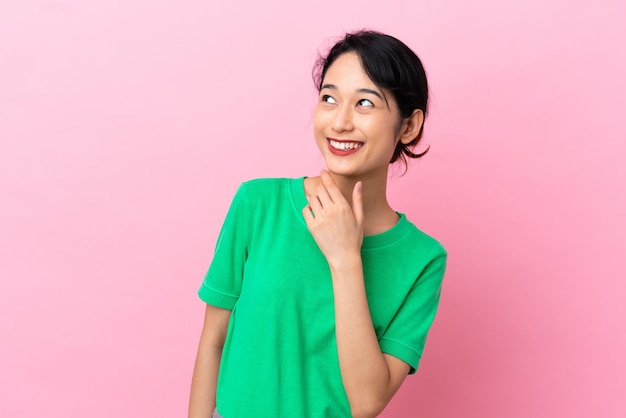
342,120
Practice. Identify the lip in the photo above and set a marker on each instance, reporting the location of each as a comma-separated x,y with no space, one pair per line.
339,152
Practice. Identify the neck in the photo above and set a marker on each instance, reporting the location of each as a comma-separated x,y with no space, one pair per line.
378,214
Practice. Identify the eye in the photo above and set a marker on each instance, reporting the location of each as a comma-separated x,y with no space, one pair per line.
365,103
328,99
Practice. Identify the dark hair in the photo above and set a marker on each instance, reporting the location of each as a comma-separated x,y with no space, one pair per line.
392,66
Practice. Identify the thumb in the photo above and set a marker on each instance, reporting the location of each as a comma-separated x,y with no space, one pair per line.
357,202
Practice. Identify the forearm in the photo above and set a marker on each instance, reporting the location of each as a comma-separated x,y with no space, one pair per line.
204,382
364,371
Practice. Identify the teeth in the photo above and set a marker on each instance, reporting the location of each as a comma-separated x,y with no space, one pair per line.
345,145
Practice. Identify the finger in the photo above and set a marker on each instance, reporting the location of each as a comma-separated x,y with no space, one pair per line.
308,215
331,187
315,205
357,202
323,196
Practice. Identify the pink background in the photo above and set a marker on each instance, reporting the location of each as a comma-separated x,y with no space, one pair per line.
126,126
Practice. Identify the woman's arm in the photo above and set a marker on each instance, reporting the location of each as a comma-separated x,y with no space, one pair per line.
204,382
370,377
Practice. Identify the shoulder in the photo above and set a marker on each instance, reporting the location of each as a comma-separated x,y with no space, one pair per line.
266,191
424,244
265,186
267,183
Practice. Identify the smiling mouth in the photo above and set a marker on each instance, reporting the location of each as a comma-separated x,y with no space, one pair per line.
344,145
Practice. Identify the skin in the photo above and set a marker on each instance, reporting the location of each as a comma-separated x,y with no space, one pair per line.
349,201
206,369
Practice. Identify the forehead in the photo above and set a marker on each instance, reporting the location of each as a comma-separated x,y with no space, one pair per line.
347,71
347,75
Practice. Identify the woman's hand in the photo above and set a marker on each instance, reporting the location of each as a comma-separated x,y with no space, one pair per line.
336,226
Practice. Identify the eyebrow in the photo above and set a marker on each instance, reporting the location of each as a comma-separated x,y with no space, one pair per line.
368,91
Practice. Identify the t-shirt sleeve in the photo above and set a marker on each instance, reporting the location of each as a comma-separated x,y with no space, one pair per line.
222,283
406,335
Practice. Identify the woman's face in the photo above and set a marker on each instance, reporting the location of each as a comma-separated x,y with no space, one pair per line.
356,124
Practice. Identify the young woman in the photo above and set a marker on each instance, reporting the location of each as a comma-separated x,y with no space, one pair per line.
320,295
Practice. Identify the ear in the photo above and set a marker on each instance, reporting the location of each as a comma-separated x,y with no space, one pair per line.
411,126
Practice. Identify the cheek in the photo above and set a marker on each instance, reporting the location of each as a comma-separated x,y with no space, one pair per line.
383,128
398,127
320,121
394,127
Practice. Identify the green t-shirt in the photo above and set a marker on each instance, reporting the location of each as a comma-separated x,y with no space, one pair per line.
280,355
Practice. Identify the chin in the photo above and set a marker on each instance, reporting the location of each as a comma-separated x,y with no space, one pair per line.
343,171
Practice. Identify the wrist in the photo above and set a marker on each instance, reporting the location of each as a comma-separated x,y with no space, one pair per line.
346,263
